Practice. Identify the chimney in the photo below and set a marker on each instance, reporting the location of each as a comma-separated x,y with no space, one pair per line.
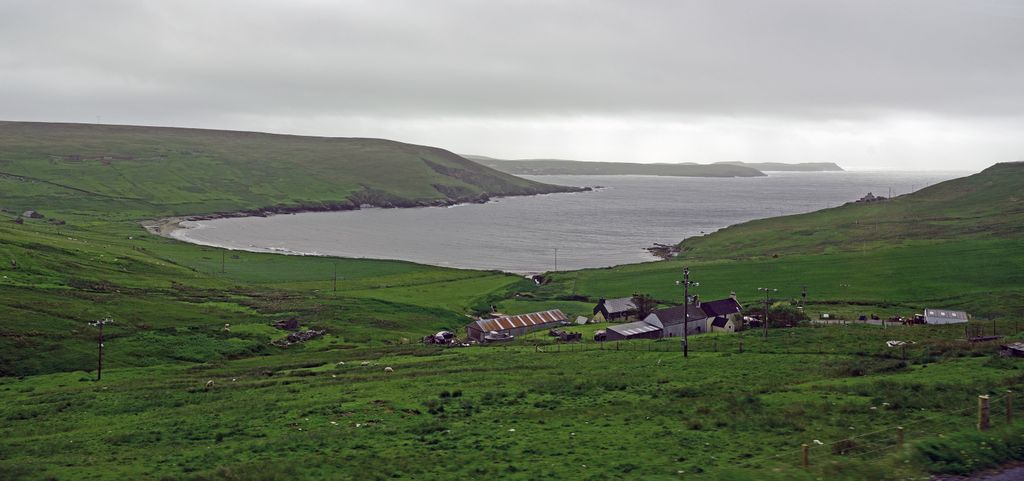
696,300
732,295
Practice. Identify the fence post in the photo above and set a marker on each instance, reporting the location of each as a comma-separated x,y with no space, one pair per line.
804,458
1009,406
899,436
983,410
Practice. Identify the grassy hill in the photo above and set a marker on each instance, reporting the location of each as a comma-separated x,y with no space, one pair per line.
576,167
987,205
126,171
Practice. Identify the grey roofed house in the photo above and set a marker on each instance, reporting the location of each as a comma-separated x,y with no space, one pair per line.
671,320
674,315
944,316
612,309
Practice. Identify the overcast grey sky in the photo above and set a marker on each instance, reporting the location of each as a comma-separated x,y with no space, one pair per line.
928,84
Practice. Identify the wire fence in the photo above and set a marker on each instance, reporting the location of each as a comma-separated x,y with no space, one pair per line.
991,412
780,341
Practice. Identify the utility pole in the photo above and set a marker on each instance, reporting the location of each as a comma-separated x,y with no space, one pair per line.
335,280
765,321
803,297
222,255
556,259
686,283
99,345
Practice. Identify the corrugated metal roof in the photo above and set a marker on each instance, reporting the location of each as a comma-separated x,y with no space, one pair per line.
633,328
944,316
504,323
946,313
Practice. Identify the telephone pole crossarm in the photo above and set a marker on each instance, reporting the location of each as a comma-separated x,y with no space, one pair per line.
99,344
686,283
764,322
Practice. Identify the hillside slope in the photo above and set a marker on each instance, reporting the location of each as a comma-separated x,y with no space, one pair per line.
576,167
986,205
168,171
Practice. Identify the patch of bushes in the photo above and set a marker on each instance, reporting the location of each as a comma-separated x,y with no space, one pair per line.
863,367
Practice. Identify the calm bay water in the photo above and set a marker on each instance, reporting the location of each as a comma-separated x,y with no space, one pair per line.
609,226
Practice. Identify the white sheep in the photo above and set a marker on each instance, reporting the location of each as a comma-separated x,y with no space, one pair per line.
388,369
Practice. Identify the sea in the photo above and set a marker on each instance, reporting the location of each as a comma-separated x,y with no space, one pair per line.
610,225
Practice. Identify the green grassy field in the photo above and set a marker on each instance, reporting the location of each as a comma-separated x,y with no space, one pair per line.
514,412
629,410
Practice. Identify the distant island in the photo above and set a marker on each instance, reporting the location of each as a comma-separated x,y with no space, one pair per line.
779,166
687,169
576,167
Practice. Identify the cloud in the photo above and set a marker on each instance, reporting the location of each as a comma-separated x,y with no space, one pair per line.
800,65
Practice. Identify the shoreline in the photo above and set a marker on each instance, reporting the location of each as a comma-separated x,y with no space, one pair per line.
168,226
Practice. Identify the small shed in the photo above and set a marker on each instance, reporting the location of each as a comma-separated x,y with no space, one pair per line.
516,325
31,214
1015,349
944,316
621,309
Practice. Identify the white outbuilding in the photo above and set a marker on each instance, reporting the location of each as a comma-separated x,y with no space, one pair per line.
944,316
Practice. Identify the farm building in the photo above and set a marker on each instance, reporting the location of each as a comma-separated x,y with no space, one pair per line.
622,309
944,316
515,325
671,320
721,324
728,308
632,330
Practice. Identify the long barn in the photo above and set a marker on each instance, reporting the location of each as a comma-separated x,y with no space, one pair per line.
515,325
